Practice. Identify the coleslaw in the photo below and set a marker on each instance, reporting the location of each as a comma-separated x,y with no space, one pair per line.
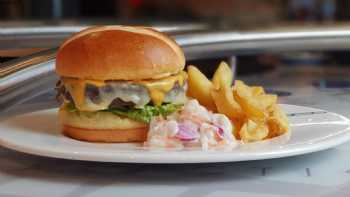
192,126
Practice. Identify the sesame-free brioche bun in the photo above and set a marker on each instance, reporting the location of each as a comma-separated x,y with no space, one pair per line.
101,126
106,135
119,53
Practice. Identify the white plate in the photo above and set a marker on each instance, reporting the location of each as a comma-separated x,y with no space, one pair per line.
39,133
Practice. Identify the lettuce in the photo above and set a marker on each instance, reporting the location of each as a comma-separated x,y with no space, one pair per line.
144,114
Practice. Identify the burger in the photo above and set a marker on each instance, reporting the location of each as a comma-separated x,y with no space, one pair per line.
115,79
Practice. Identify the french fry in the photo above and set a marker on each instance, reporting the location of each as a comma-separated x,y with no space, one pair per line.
278,122
238,124
273,126
225,103
223,76
199,87
257,90
265,101
252,131
243,95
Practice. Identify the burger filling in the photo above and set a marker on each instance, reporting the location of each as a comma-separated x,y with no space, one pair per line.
138,100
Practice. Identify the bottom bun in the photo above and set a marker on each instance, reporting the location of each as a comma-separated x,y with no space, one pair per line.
106,135
101,126
99,120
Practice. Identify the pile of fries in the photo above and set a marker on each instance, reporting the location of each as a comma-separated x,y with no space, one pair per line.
255,114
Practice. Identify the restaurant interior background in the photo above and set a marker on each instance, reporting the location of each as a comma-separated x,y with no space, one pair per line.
237,15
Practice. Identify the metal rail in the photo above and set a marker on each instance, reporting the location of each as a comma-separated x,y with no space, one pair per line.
12,38
216,44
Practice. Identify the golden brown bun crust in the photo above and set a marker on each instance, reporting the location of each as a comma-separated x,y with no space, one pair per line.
106,135
119,53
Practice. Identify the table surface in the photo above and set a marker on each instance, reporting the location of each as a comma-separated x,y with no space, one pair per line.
325,173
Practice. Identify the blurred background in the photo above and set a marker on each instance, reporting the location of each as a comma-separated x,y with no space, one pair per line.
220,13
23,16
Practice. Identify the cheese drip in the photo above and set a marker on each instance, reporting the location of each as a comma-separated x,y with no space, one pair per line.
76,87
157,89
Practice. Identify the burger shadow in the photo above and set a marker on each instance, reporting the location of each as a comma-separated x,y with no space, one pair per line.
43,123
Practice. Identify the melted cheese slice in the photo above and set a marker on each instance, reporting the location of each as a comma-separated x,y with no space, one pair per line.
157,89
76,87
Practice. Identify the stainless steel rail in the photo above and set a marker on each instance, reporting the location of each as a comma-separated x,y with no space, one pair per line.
218,44
52,36
26,77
